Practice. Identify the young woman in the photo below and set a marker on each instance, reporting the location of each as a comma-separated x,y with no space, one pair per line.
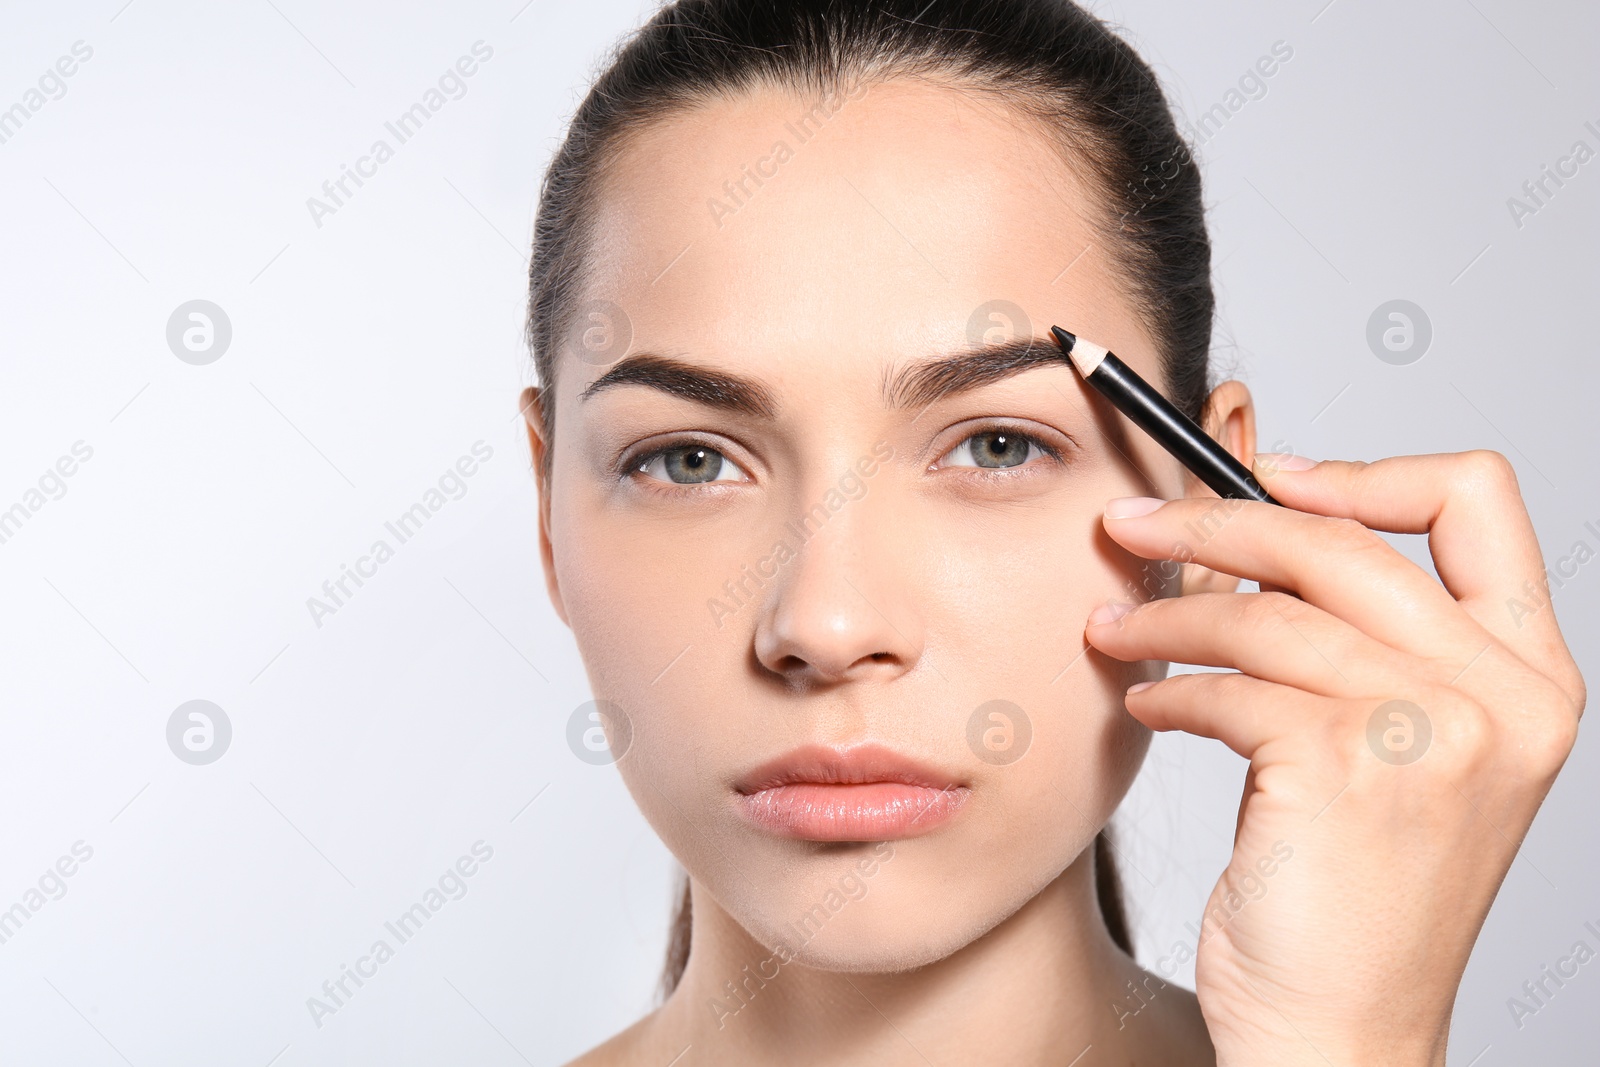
878,599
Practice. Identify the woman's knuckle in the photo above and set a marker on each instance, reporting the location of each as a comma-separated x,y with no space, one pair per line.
1486,470
1463,730
1547,735
1576,690
1351,535
1271,606
1549,742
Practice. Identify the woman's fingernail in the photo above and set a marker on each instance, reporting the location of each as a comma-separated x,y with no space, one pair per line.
1272,462
1131,507
1110,611
1132,689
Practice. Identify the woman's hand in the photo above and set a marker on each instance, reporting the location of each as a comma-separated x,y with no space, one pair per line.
1401,734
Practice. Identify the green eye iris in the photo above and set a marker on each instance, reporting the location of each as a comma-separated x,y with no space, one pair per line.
998,448
691,465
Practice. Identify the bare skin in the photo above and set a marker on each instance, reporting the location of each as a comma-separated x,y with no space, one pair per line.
937,584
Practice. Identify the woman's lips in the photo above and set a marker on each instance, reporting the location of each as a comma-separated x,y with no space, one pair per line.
866,793
871,811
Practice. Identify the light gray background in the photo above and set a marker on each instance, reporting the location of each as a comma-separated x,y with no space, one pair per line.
371,352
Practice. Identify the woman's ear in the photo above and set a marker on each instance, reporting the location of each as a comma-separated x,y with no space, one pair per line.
1230,419
531,404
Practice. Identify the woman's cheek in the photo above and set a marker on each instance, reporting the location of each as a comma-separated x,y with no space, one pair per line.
636,598
1020,616
634,588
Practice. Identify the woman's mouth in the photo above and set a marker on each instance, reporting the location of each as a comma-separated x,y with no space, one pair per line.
865,793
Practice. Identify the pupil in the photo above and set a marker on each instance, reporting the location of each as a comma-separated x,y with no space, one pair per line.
1000,450
692,465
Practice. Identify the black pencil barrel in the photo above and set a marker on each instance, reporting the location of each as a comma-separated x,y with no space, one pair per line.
1209,461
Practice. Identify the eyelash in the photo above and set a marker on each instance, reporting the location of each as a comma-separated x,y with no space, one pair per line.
1050,451
633,462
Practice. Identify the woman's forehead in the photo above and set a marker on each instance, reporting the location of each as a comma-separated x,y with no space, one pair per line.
911,217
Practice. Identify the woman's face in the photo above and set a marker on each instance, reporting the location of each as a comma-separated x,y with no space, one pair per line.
788,544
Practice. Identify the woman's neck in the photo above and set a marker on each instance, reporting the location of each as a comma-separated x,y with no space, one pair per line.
1044,986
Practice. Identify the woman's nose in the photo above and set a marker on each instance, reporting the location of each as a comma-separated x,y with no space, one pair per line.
844,606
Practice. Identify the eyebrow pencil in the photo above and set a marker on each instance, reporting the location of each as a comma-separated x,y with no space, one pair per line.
1172,429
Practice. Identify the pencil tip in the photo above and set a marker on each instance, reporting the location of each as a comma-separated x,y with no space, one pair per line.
1082,354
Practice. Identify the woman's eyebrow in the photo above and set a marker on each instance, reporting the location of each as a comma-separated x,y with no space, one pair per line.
978,364
915,385
718,389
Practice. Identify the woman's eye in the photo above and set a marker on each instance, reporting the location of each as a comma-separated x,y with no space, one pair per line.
996,449
689,465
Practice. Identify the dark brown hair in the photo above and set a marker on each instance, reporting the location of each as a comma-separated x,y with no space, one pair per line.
1049,59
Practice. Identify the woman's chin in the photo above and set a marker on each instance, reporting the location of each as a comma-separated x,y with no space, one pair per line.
868,936
872,951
